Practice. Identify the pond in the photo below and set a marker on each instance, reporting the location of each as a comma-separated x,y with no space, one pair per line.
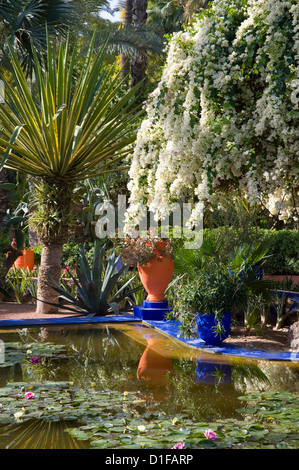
128,386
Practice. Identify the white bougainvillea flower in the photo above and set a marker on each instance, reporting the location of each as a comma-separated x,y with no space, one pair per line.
225,113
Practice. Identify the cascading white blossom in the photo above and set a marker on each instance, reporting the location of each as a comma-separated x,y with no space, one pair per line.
226,111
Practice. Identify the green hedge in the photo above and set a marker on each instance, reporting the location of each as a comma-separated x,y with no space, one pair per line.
283,246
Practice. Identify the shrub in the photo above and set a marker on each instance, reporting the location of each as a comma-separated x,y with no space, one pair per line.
283,246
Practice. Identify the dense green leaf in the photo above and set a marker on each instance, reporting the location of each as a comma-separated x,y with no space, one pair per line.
73,132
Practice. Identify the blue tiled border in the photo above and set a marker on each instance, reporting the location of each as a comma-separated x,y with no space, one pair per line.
170,328
66,320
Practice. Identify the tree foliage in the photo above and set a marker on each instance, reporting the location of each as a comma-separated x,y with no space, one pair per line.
225,113
23,23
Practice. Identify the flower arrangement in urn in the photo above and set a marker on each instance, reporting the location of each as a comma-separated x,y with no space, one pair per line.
153,258
138,251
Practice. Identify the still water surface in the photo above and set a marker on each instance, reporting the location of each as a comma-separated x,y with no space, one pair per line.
129,357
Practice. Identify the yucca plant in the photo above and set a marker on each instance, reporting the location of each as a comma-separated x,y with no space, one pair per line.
98,286
76,126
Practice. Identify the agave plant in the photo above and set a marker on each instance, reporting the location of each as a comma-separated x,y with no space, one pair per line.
78,124
98,290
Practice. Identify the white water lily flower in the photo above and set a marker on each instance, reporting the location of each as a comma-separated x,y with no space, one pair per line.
19,415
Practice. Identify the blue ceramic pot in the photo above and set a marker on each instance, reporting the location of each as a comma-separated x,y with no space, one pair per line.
258,272
206,327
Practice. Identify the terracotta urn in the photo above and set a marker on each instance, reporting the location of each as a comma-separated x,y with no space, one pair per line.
25,261
156,274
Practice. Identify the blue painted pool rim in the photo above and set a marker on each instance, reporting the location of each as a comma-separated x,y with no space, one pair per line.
170,328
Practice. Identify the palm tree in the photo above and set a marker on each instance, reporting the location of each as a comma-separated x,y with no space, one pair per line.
77,126
136,40
165,16
138,66
162,17
125,61
24,21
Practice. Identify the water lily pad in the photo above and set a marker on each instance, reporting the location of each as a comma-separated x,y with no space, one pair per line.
114,419
78,434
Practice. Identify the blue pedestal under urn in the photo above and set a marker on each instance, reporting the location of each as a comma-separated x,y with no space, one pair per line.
151,310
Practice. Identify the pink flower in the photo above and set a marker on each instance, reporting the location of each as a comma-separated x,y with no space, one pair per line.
209,434
179,445
29,395
34,360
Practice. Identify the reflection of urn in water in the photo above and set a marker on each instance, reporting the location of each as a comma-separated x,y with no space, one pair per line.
154,364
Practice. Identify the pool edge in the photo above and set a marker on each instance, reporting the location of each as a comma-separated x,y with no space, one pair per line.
170,328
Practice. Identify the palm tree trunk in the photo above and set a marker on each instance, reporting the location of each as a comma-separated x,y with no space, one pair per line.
50,267
53,218
125,60
33,236
138,67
